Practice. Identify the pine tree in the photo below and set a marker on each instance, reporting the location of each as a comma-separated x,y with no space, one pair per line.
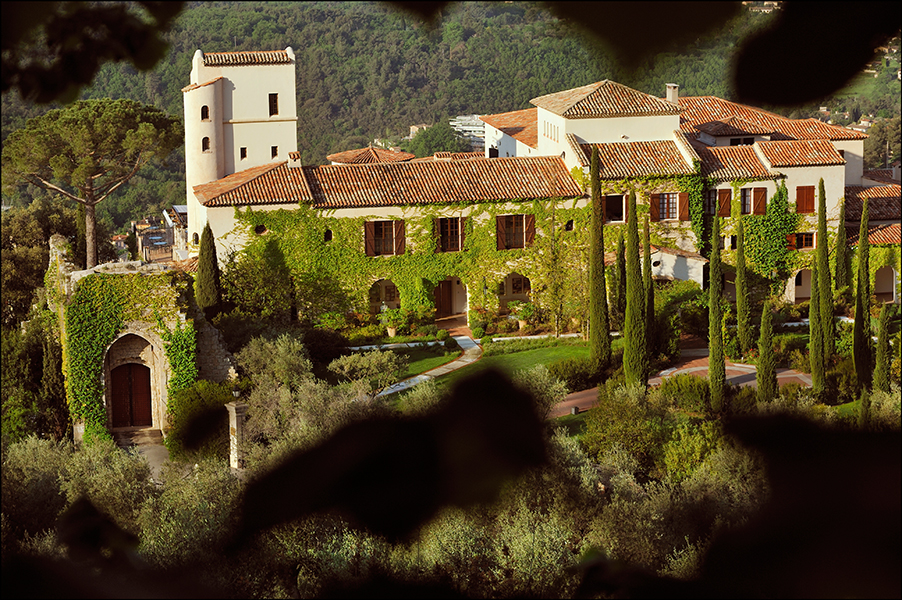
635,347
649,288
843,271
825,286
816,339
717,376
743,315
599,330
618,285
881,368
207,285
861,333
767,360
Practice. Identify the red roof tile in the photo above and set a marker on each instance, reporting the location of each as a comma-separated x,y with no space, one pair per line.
877,234
884,202
522,125
604,99
728,163
396,184
194,86
637,159
733,126
238,59
457,155
368,155
800,153
882,175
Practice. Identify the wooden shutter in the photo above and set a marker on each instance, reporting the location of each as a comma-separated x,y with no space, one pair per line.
369,238
500,233
400,242
684,207
759,203
463,232
805,199
791,241
529,230
724,197
654,204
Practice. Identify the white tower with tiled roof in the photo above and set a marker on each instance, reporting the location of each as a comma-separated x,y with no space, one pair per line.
240,112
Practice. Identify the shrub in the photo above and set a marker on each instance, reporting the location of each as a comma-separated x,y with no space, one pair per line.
32,497
742,399
694,316
451,344
478,332
283,359
731,347
785,343
799,361
845,339
442,335
546,389
486,340
324,345
332,320
187,408
690,445
376,369
365,334
578,373
688,392
842,383
426,330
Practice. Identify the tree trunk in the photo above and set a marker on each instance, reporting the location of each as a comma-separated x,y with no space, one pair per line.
90,235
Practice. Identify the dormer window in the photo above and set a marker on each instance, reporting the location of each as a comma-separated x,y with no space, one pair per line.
273,105
204,113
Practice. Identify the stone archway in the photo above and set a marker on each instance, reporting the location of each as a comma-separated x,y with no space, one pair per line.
885,284
135,373
383,293
514,287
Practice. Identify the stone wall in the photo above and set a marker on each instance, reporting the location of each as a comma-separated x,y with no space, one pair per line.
214,362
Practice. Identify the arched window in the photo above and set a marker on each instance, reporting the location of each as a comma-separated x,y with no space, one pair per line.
204,113
195,239
205,144
327,236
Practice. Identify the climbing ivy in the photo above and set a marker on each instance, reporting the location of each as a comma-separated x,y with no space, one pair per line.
765,239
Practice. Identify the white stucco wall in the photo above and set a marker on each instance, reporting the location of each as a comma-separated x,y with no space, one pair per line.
853,152
678,267
834,184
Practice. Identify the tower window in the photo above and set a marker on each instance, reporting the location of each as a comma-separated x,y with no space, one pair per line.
327,236
195,239
205,144
275,151
273,104
243,153
204,113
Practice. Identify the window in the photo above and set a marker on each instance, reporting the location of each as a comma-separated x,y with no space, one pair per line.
273,104
735,142
805,240
260,229
327,236
205,144
204,113
243,153
668,206
195,239
520,285
613,208
384,238
805,199
748,141
450,232
275,151
515,231
745,200
391,292
568,226
493,152
734,242
710,202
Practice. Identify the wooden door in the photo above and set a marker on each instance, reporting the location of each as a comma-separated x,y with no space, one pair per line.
131,396
442,294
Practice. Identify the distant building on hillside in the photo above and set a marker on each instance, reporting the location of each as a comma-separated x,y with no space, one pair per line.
471,128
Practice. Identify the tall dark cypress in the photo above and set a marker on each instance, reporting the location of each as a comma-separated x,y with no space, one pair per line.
766,375
825,286
648,287
843,271
599,325
816,339
881,366
743,311
717,372
861,333
207,285
635,348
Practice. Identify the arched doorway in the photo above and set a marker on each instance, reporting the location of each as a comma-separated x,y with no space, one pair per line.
514,287
885,284
450,297
384,292
131,406
803,286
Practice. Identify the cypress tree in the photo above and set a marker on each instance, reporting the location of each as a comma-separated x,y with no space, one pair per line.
843,272
861,333
599,326
635,346
864,409
717,376
649,289
206,285
618,285
828,328
881,368
767,360
743,314
816,339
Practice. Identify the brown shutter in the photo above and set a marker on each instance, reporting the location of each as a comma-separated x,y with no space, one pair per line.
791,241
500,232
604,209
759,204
805,199
463,232
400,242
654,203
369,238
529,230
684,207
724,197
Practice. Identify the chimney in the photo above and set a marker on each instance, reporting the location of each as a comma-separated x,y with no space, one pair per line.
673,93
294,160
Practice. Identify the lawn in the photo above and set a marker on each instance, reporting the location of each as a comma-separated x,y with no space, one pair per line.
421,360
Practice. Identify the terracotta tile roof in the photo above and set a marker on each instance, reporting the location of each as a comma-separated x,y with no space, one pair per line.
189,265
194,86
800,153
883,175
637,159
734,126
522,125
238,59
729,163
890,233
884,202
395,184
368,155
457,155
604,99
700,111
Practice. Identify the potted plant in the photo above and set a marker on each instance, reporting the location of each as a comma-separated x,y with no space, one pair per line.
392,318
524,312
